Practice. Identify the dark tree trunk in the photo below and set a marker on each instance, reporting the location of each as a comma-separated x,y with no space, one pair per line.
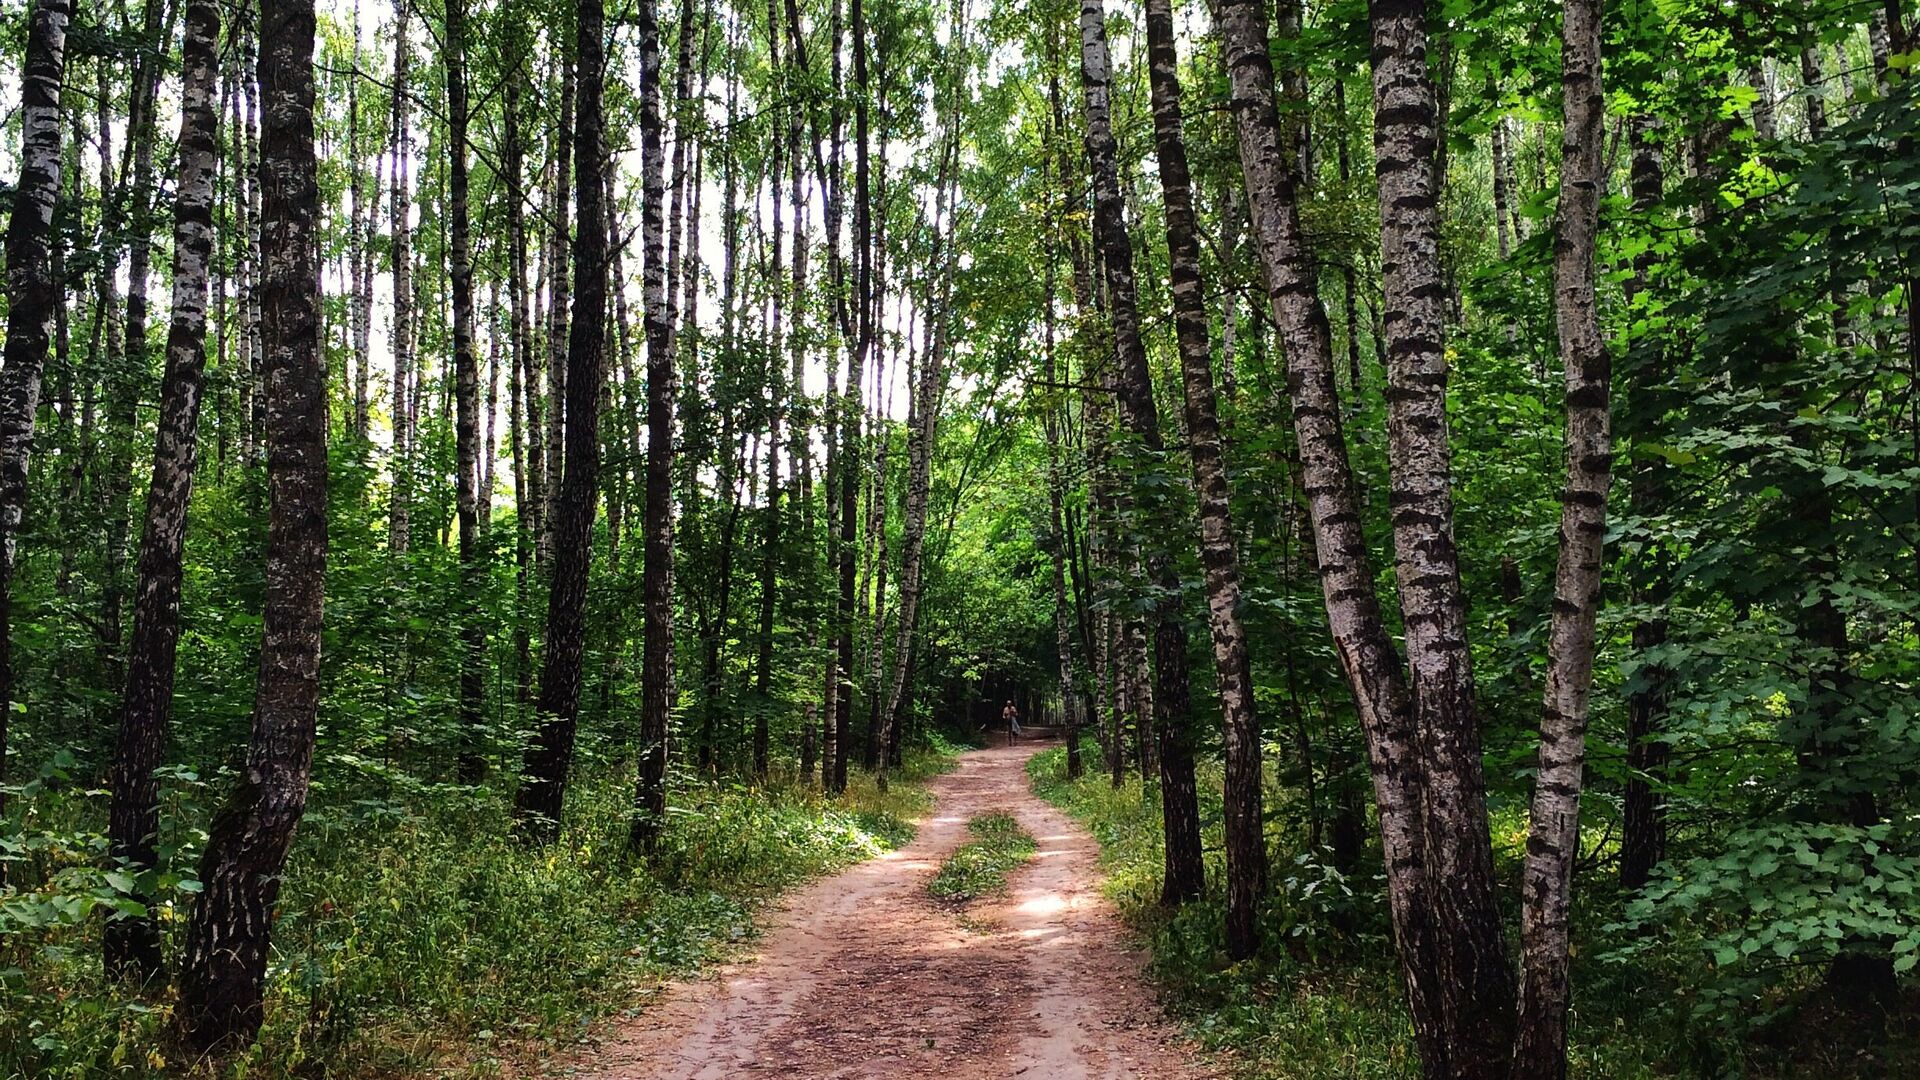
131,945
359,253
1178,797
550,758
1245,831
559,404
522,424
1060,547
400,341
656,666
33,296
776,414
1643,838
224,968
1553,841
466,374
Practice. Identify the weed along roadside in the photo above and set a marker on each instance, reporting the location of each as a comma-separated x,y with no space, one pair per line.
417,943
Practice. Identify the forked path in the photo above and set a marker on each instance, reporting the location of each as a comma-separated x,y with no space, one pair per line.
865,975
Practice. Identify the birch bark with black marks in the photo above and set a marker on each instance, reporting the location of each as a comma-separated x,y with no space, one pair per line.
1553,840
1366,652
1171,720
131,945
550,758
466,395
1477,995
33,295
400,339
224,966
1246,846
656,665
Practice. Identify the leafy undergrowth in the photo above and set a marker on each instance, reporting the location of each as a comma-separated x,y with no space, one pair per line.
1322,1000
980,866
410,941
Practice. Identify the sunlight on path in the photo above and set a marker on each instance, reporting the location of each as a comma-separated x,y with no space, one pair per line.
864,975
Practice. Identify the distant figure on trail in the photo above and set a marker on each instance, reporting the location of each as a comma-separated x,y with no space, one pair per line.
1012,716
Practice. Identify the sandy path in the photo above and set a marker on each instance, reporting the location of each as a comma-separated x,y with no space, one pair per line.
864,975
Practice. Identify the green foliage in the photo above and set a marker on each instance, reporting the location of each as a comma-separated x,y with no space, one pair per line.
1322,1000
417,935
980,866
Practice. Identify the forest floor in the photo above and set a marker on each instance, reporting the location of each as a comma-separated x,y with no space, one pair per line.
866,975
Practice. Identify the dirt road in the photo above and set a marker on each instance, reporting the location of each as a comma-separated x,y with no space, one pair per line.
864,975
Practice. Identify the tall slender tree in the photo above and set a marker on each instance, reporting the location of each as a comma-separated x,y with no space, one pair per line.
1553,838
1133,382
223,971
1245,828
927,394
400,257
550,758
466,373
1643,831
1366,652
33,298
132,944
1471,948
656,665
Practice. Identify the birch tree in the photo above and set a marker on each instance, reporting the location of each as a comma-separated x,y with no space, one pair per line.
1245,828
131,945
32,298
223,970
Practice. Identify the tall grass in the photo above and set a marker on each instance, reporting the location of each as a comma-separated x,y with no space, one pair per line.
414,940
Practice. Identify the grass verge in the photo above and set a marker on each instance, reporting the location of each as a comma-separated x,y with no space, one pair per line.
1322,999
421,937
980,866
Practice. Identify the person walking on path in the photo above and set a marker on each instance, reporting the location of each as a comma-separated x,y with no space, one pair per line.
1012,716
